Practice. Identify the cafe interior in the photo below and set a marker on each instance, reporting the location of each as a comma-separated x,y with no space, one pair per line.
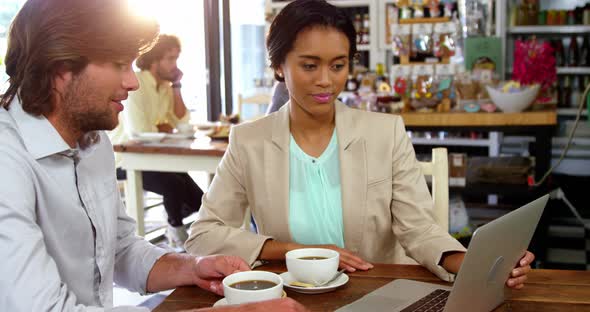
493,95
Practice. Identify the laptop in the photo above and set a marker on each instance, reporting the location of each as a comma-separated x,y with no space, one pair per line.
494,251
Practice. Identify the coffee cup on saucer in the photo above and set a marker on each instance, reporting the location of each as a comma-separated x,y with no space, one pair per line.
252,286
312,265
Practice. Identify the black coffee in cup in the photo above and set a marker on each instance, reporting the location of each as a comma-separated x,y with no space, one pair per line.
313,258
253,285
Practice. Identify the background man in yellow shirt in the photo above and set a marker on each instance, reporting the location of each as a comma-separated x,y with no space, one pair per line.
158,107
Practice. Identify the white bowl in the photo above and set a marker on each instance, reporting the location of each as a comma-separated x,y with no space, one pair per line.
239,296
513,102
185,128
312,271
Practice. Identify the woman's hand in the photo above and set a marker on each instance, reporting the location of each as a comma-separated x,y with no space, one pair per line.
519,274
348,260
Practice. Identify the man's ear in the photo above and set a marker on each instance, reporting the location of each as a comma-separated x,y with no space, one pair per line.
62,78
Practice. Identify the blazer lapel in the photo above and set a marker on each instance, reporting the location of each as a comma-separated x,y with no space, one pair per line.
276,155
353,176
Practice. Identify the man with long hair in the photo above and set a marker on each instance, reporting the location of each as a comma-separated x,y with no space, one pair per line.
158,107
64,233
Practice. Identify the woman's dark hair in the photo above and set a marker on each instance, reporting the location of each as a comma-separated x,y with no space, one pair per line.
300,15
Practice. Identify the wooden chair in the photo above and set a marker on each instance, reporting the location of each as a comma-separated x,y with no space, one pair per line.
261,100
438,168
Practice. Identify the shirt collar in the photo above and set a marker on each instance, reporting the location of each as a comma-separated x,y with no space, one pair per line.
41,139
147,76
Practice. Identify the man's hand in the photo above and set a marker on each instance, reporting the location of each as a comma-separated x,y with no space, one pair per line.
165,127
177,75
283,304
278,305
208,272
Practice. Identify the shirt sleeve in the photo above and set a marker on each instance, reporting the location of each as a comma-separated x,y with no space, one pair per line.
217,230
412,208
170,114
136,114
134,256
30,277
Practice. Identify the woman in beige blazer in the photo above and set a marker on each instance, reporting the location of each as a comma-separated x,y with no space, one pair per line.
386,205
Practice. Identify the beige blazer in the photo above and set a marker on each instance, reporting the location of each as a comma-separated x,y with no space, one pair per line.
386,204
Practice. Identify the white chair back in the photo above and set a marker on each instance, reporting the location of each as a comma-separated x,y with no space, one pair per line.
261,100
438,168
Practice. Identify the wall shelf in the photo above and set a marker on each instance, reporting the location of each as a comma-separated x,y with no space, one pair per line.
452,142
570,112
553,29
573,70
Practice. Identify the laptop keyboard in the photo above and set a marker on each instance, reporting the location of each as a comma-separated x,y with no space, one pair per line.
434,301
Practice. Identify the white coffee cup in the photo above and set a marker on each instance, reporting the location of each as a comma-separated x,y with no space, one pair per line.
185,128
238,296
312,271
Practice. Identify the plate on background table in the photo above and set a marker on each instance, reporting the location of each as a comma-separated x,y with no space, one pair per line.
148,136
222,301
180,135
288,279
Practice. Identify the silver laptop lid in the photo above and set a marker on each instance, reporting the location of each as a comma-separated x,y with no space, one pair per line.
493,252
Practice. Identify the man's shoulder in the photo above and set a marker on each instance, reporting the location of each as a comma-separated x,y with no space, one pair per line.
12,149
8,131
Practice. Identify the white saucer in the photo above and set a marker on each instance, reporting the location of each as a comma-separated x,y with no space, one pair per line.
222,301
288,279
148,136
180,135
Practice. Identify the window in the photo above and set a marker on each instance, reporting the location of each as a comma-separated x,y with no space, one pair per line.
249,61
8,9
184,18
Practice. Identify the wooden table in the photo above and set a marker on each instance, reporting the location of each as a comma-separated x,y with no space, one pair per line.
170,155
546,290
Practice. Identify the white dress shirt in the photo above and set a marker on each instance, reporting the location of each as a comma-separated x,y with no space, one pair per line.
64,234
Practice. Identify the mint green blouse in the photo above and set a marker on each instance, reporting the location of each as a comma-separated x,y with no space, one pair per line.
315,201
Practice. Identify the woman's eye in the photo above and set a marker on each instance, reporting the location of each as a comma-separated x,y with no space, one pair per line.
308,66
338,67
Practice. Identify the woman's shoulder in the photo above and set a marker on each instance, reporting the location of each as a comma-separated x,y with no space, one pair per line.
256,129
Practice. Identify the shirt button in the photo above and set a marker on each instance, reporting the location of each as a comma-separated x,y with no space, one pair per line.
313,161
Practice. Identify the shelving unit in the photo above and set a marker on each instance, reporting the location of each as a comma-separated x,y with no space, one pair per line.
577,156
376,55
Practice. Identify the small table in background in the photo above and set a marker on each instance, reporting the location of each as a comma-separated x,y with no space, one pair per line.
169,155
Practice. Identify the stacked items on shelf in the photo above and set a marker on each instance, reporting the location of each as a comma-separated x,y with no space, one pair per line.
527,12
430,39
401,10
421,88
361,25
570,87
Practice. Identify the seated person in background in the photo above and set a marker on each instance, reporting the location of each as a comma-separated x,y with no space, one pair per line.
64,233
280,97
317,173
158,107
